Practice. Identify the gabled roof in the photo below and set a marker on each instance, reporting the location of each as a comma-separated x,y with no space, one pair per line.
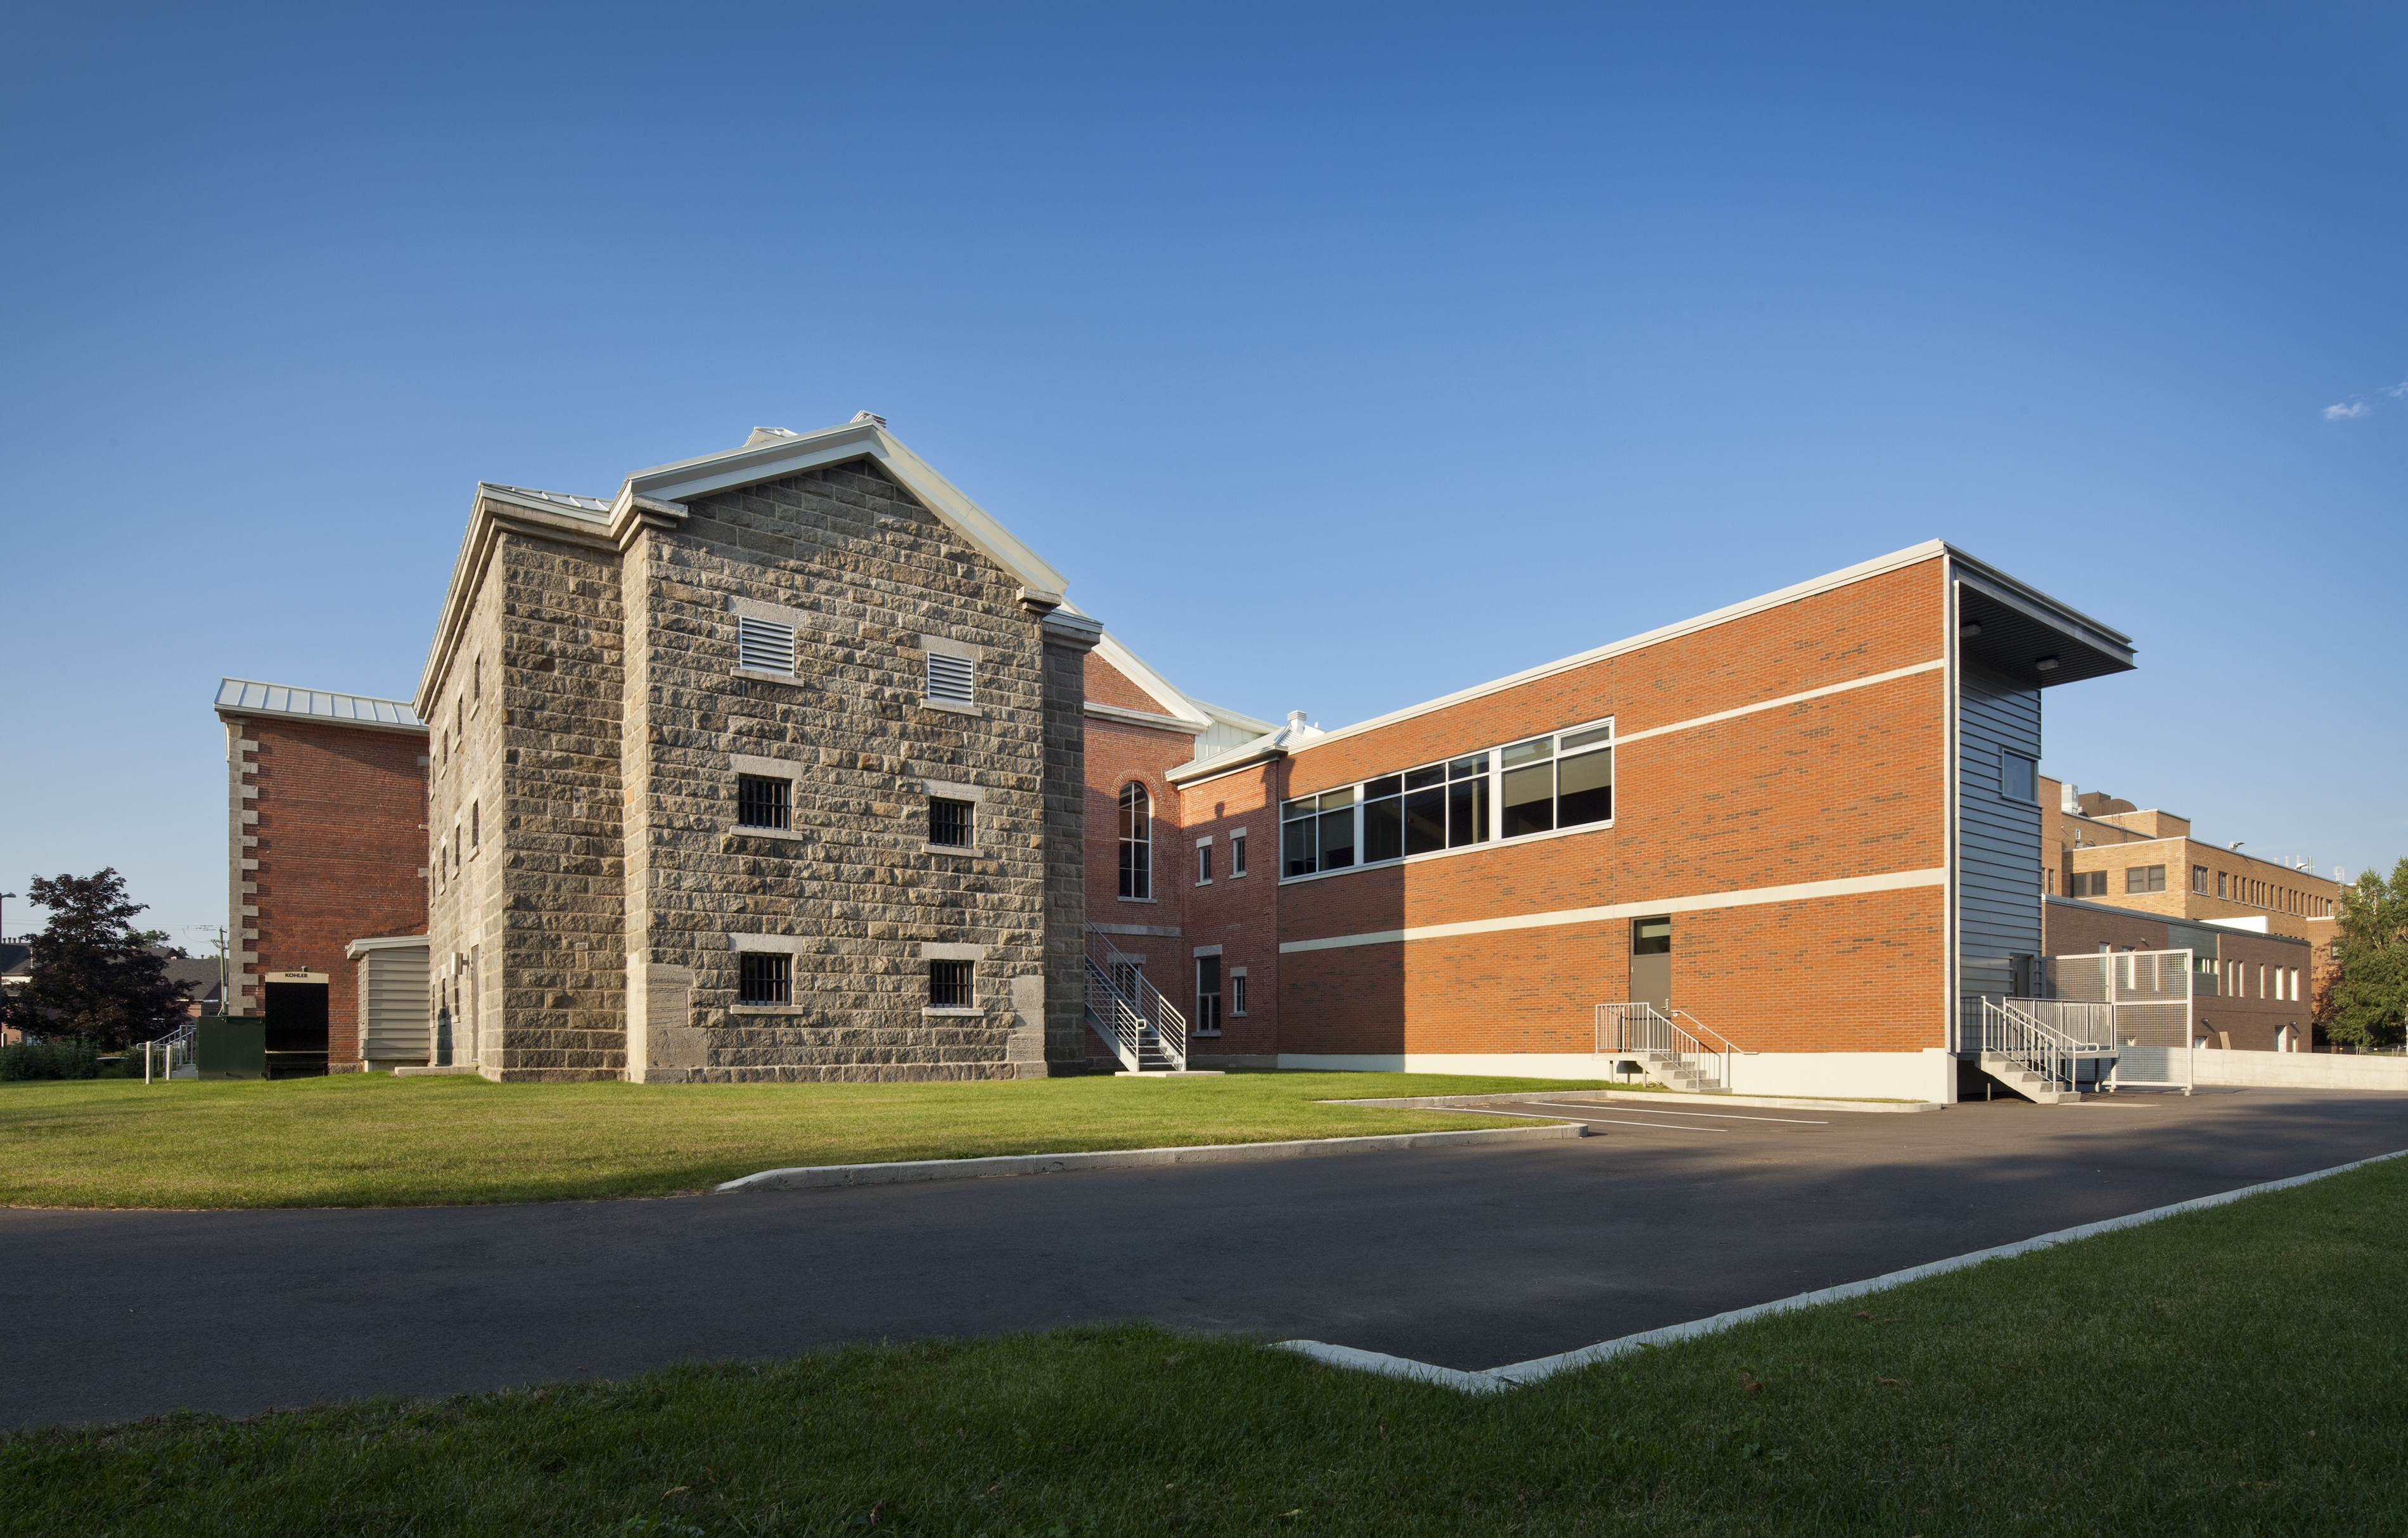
656,497
247,697
773,452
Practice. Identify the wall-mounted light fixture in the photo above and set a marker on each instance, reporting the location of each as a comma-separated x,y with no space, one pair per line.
2046,665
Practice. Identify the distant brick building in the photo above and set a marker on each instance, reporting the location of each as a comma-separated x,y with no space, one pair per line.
2106,850
326,794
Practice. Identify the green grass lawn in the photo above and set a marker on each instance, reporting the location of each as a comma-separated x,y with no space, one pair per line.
371,1140
2236,1371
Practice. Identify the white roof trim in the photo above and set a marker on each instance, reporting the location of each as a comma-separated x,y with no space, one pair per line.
1133,667
700,477
385,943
1913,555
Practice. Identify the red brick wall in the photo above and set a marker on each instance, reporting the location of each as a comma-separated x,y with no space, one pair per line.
340,851
2248,1021
1844,785
1239,913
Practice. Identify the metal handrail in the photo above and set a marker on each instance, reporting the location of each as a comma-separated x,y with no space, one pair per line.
1640,1028
2013,1029
1149,1011
1729,1045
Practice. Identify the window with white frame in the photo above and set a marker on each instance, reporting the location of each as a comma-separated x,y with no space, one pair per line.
1207,995
1238,990
1137,841
1563,780
764,646
1203,862
1236,852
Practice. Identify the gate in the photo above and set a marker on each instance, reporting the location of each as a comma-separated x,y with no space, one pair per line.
2151,992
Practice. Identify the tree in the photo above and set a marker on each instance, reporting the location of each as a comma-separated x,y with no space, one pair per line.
93,974
2366,1003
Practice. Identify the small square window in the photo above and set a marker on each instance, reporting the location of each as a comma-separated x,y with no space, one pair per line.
951,679
949,985
764,977
764,802
949,822
2019,777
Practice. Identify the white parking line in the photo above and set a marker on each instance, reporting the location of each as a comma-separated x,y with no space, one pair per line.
1719,1116
1593,1121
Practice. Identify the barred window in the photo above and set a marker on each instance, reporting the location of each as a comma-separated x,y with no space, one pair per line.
951,678
949,985
764,802
764,646
949,822
764,977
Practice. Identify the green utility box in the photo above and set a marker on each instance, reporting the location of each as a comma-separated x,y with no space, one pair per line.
229,1047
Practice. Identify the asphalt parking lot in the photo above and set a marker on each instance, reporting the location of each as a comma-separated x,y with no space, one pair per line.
1470,1258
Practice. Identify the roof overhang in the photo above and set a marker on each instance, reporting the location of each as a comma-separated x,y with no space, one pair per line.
2027,636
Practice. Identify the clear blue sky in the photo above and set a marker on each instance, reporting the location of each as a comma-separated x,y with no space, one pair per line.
1342,358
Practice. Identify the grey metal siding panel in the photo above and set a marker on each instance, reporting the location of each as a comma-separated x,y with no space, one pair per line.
392,1005
1998,841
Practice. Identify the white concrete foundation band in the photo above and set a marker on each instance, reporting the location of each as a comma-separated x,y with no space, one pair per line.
1927,1075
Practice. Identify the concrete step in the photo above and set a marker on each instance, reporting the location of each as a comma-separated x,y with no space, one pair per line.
2024,1081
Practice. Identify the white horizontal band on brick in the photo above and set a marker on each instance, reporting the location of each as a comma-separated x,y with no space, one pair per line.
937,950
1864,682
947,790
780,944
1745,897
1208,950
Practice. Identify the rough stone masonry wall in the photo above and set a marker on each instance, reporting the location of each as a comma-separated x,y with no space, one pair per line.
560,924
854,893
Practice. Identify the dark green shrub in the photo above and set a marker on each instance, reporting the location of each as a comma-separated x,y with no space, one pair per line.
68,1060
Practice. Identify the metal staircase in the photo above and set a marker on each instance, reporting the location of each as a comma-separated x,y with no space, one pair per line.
1145,1032
1695,1057
2037,1046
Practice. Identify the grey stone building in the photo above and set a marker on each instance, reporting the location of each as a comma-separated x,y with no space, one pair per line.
768,767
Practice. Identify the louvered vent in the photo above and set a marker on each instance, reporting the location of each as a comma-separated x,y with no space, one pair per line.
949,678
764,645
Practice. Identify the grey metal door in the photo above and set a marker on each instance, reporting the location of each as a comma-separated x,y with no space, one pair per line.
1651,962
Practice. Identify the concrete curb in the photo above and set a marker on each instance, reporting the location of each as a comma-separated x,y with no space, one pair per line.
1654,1097
1494,1378
816,1176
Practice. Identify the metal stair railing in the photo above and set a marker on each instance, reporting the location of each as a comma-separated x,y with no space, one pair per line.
2013,1028
1642,1030
1145,1031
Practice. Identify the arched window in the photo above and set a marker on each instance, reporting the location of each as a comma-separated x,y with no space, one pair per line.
1137,841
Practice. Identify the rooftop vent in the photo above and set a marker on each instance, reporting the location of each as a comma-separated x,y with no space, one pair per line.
768,435
870,417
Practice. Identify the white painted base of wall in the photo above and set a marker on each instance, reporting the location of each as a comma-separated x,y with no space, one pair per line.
2299,1070
1927,1075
